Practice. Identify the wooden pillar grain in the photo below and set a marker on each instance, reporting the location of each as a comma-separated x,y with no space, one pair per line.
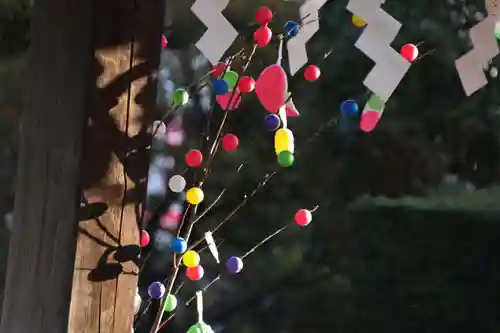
91,86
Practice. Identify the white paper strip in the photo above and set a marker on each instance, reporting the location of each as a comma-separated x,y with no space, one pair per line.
390,67
296,46
212,246
485,47
220,33
199,305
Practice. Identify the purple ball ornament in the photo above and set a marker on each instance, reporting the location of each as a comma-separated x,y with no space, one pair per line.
234,265
156,290
272,122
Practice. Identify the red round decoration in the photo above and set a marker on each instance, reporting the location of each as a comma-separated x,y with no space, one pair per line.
164,41
194,157
230,142
271,88
262,36
246,84
303,217
409,52
263,15
312,73
218,69
195,273
145,239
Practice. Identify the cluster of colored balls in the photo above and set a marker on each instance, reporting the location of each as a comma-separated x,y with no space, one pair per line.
262,36
195,195
284,147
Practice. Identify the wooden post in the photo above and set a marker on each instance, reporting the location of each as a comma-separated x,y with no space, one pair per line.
91,76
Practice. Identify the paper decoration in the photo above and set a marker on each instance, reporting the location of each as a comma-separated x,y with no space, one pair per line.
212,246
296,46
485,47
199,305
390,67
220,33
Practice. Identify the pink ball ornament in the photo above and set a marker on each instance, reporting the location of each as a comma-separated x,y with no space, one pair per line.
369,120
230,142
303,217
246,84
262,36
145,238
263,15
312,73
409,52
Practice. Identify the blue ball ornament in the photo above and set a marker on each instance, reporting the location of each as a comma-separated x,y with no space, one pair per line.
349,108
156,290
234,265
272,122
292,28
220,86
178,245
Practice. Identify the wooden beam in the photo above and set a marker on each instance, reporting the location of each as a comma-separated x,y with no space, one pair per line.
117,88
42,244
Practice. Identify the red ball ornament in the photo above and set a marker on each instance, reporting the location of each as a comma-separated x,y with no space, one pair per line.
263,15
145,239
262,36
409,52
303,217
246,84
195,273
312,73
219,69
230,142
164,42
194,157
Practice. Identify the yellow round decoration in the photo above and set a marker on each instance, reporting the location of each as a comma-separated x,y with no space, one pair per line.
195,195
191,259
358,22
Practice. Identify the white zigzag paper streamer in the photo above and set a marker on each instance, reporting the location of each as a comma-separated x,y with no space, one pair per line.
485,47
390,67
296,46
220,33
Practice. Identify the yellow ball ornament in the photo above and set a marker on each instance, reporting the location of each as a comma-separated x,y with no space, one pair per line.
195,195
191,259
358,22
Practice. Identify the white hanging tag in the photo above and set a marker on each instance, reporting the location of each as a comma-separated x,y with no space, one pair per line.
212,246
282,115
199,305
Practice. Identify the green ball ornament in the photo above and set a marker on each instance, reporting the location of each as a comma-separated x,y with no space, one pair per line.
375,103
170,303
231,77
200,328
285,158
180,97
